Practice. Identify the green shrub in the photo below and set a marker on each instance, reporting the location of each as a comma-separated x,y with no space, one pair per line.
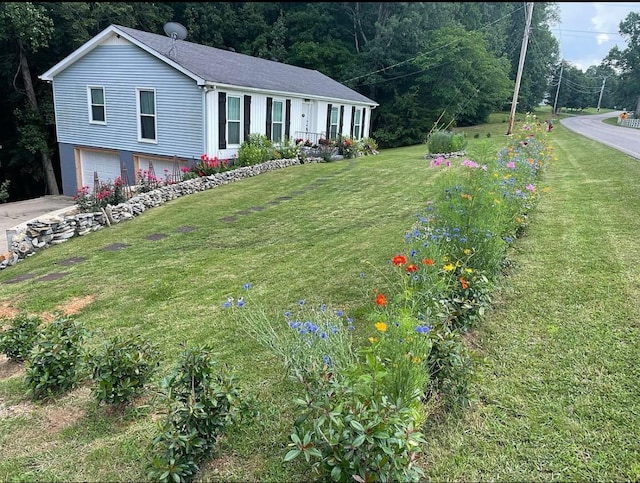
56,361
349,429
17,341
442,142
287,149
257,149
120,368
202,400
452,368
4,190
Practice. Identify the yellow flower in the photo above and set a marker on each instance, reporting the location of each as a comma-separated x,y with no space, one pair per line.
373,339
468,270
545,189
497,201
415,359
467,251
381,326
448,267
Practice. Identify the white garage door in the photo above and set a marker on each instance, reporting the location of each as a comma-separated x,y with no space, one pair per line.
105,163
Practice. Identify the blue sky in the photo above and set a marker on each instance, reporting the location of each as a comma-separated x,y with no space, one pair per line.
588,30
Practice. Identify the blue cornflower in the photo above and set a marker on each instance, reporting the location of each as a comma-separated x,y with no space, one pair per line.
226,304
287,314
246,286
300,302
423,329
323,335
339,313
349,320
294,325
326,360
413,253
240,302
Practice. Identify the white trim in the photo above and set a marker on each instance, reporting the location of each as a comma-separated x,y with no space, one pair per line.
139,115
294,95
337,124
96,41
357,128
284,114
239,121
90,102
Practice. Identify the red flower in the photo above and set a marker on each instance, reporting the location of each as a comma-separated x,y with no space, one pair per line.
463,283
427,261
399,260
381,300
411,268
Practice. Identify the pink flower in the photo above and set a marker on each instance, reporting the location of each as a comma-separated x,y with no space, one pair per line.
511,165
530,187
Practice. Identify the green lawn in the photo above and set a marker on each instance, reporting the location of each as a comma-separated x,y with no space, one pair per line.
559,396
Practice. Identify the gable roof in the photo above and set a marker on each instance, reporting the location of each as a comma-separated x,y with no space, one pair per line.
208,65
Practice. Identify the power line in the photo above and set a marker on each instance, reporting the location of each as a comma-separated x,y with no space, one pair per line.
429,52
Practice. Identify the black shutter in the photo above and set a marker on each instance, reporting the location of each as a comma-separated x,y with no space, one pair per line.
247,117
287,120
222,120
329,120
353,118
269,117
364,111
340,123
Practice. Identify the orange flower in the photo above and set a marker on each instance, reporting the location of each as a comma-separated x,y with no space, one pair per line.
381,300
463,283
428,261
411,268
399,260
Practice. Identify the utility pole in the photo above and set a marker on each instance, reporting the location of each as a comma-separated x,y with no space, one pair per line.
555,103
523,53
601,91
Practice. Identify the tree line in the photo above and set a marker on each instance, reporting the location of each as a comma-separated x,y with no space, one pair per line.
427,64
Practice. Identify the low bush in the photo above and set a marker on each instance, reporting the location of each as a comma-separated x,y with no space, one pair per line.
442,141
202,399
120,368
56,364
19,338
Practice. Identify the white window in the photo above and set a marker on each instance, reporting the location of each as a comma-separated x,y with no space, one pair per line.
97,106
146,104
356,124
277,121
233,120
333,124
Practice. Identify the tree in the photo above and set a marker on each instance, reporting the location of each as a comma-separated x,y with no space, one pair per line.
28,29
627,62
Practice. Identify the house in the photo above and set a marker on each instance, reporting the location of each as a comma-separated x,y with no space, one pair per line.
129,100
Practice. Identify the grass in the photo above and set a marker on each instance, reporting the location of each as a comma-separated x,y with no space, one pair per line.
558,400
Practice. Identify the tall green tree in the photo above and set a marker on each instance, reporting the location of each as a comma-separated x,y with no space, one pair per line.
26,28
627,63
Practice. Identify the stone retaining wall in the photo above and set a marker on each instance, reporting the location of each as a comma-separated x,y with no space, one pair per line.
52,230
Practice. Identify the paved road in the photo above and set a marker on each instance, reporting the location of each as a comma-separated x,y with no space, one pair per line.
19,212
623,139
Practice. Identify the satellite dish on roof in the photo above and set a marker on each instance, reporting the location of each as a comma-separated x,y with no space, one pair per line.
175,30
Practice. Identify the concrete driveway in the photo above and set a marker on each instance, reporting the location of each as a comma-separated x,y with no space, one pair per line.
20,212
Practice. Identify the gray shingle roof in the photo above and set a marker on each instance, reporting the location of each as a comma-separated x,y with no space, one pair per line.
226,67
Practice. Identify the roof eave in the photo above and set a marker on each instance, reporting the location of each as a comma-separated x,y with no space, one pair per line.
258,90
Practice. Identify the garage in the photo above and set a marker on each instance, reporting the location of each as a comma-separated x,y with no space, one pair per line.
105,163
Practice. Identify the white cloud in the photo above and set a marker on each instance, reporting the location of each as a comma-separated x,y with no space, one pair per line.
588,30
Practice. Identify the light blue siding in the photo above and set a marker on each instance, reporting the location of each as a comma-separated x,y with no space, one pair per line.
121,69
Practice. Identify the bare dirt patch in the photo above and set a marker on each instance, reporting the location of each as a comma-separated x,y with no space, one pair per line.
59,417
70,307
6,311
9,368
